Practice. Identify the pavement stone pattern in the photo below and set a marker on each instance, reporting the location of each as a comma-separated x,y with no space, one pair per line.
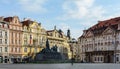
61,66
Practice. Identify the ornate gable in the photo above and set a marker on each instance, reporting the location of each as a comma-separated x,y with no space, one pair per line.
108,30
89,34
16,20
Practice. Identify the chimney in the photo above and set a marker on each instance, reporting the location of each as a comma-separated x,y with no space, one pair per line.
54,27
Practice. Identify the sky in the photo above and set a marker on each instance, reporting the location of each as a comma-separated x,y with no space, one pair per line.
75,15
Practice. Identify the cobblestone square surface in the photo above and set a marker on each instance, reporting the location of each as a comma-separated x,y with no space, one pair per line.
59,66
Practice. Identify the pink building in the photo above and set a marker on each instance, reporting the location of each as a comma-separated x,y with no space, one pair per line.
15,38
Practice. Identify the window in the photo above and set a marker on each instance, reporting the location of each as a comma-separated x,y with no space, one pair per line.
12,34
101,58
25,42
0,41
95,58
98,58
15,41
6,49
5,41
19,35
5,34
117,58
12,41
0,49
25,49
25,36
15,49
15,21
19,41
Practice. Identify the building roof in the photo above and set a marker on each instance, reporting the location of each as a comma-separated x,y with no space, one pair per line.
50,30
26,22
8,19
106,23
98,28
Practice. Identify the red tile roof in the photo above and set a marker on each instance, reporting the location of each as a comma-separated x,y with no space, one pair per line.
106,23
102,25
8,19
26,22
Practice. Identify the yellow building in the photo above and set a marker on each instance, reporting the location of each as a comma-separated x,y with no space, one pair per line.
34,38
57,37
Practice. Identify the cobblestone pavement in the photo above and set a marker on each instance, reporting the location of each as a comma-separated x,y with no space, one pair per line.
60,66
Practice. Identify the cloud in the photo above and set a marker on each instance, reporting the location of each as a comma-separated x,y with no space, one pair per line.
33,5
64,27
75,32
82,10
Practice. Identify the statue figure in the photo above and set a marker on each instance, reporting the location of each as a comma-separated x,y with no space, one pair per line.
68,33
54,48
47,45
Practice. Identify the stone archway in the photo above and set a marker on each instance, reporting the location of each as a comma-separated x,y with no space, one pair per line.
6,59
108,58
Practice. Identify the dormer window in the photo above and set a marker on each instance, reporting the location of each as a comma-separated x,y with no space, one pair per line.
5,25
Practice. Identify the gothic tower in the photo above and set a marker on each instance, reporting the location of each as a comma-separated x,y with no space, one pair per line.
68,34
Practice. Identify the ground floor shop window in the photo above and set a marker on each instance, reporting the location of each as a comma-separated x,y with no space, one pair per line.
98,58
117,58
6,59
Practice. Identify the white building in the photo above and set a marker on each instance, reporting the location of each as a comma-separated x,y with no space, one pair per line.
4,42
101,42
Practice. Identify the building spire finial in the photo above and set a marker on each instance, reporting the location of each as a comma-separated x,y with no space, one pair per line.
55,27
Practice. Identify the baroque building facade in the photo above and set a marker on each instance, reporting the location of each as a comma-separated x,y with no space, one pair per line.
4,41
15,38
101,42
57,38
22,39
34,38
75,49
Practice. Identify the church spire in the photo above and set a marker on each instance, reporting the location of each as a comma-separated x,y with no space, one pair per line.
68,33
55,27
